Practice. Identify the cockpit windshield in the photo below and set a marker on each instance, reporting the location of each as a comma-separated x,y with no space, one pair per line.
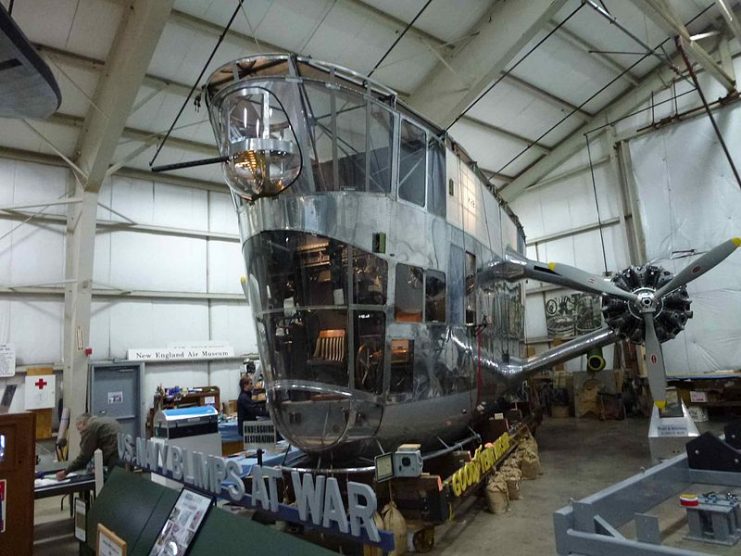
281,131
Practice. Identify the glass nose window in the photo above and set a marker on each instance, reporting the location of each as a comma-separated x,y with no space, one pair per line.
264,155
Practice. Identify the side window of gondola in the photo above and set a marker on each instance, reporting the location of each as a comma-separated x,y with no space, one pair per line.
436,200
402,366
370,275
380,134
434,296
409,290
412,163
470,288
370,334
456,280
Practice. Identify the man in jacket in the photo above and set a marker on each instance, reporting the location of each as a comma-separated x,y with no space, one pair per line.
95,432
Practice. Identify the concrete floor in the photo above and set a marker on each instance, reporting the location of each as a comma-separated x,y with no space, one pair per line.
579,457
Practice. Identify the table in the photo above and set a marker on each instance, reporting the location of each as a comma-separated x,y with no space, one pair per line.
83,483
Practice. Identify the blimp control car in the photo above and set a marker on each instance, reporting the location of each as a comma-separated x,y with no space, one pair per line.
365,230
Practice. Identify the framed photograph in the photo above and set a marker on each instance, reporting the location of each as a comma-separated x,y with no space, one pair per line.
108,543
183,523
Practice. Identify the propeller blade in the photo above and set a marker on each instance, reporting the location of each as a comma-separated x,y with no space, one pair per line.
590,282
700,266
655,362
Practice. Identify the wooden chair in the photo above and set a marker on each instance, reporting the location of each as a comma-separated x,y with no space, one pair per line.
330,348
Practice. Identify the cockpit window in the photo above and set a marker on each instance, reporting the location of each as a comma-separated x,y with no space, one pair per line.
349,140
412,163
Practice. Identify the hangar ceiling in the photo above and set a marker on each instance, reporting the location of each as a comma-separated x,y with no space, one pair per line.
539,72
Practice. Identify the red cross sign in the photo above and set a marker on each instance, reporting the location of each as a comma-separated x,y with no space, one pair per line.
40,383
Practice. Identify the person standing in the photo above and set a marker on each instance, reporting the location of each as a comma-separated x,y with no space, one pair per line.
247,408
95,432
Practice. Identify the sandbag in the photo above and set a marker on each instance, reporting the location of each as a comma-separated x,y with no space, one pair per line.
530,465
513,476
529,442
393,521
372,550
497,497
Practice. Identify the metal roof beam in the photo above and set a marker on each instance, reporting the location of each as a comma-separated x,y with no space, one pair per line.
132,49
664,17
731,19
499,37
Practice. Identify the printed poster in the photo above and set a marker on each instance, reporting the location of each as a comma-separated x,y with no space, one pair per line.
7,360
182,525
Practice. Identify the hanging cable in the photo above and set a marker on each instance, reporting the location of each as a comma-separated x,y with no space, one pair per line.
510,70
619,76
401,35
596,204
691,71
198,80
10,8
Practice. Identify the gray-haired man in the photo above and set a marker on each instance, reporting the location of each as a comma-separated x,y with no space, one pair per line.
95,432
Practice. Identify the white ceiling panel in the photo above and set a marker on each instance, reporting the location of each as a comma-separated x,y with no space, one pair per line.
159,111
15,134
183,50
75,84
562,70
512,108
449,21
492,154
86,27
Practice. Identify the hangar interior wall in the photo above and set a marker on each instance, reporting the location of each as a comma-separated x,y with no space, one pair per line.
686,197
169,273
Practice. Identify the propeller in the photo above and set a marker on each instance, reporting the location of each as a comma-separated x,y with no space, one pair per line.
590,282
646,302
655,362
700,266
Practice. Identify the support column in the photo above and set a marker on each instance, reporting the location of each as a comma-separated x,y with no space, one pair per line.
138,33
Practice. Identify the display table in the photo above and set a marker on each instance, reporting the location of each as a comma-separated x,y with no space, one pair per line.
82,483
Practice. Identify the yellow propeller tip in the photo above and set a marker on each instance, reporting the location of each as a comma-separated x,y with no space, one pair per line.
736,241
552,266
661,404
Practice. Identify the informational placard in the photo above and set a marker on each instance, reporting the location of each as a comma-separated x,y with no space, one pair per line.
7,360
80,519
259,435
183,524
40,392
3,504
115,397
108,543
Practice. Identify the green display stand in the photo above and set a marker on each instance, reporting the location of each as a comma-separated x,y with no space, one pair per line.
136,509
224,533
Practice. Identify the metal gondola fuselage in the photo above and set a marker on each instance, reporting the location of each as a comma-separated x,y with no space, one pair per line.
363,228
